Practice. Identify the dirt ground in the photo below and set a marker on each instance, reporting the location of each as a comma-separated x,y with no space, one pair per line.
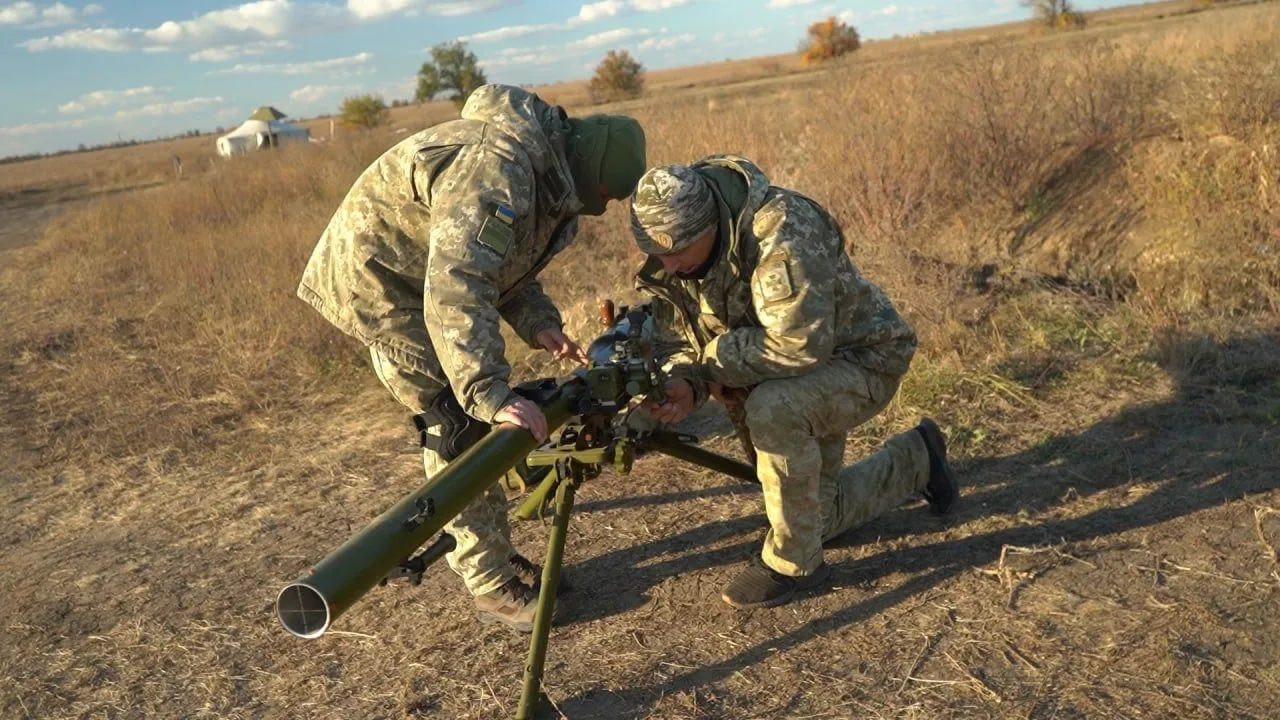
1113,555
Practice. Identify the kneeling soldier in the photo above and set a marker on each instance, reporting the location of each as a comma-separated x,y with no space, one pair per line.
757,302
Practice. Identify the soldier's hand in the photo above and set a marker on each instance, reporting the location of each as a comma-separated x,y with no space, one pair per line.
561,347
523,413
678,405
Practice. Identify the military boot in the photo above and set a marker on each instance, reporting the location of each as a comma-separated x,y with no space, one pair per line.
514,605
759,585
942,490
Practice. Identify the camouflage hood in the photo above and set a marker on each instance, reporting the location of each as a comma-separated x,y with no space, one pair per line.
540,127
757,185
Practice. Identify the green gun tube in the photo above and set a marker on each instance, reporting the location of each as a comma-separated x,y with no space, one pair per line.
308,606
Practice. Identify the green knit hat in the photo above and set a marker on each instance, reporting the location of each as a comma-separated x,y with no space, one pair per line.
605,150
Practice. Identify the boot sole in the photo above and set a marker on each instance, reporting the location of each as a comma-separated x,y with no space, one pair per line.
489,619
805,583
937,444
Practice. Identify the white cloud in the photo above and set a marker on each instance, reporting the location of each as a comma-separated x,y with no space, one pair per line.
168,107
589,13
19,13
465,7
508,32
250,24
58,14
608,37
889,10
29,14
592,12
223,53
666,43
158,109
308,94
44,127
105,98
654,5
789,3
92,10
847,17
337,67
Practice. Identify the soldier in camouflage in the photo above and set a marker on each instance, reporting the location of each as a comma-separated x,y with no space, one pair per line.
439,239
758,304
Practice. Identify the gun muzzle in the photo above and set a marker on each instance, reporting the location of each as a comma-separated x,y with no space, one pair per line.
308,606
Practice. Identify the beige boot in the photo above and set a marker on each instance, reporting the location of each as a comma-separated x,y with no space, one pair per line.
513,605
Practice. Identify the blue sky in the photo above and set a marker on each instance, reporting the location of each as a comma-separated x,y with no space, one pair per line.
94,72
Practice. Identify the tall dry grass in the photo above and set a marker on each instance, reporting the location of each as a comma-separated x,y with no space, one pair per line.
162,318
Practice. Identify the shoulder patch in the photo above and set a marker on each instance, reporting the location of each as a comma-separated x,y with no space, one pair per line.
775,279
498,230
768,217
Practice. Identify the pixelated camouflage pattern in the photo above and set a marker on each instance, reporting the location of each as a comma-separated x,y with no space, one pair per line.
671,207
482,530
786,314
401,265
799,425
784,299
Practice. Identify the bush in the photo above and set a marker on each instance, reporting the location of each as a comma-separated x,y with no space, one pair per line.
1056,14
363,111
452,67
828,39
618,77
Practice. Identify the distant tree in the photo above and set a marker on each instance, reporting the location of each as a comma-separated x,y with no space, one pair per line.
363,111
618,77
827,39
452,69
1056,14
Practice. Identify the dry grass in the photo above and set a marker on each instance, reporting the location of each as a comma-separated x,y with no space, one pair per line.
1084,228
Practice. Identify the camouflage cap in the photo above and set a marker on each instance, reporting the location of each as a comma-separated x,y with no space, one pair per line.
672,206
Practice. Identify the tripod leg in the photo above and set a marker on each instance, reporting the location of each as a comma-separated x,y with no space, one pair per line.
531,696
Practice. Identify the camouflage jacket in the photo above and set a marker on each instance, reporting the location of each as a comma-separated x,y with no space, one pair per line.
782,298
444,235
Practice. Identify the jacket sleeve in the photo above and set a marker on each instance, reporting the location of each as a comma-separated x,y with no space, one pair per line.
672,352
529,311
792,293
478,206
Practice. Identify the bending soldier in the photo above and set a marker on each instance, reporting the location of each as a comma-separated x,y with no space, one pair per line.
439,239
757,303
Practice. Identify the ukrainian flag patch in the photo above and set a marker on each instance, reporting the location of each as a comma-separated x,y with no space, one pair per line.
498,231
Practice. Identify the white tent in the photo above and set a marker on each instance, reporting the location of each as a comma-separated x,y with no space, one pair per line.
262,130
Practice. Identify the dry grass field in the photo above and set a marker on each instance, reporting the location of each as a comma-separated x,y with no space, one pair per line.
1084,228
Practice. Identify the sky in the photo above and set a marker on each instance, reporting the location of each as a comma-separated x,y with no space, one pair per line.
110,69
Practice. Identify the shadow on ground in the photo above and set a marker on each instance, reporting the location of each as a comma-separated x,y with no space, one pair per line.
1211,443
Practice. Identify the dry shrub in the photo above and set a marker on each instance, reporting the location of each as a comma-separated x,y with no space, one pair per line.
363,111
1006,131
1111,93
618,77
829,39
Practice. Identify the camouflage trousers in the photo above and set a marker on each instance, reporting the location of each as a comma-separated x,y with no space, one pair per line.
482,530
799,426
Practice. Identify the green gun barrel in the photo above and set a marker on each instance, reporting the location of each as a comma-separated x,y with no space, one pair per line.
309,605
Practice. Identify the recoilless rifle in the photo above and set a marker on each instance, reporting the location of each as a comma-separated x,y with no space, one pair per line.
590,410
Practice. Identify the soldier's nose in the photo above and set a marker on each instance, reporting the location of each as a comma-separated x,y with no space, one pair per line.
670,263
